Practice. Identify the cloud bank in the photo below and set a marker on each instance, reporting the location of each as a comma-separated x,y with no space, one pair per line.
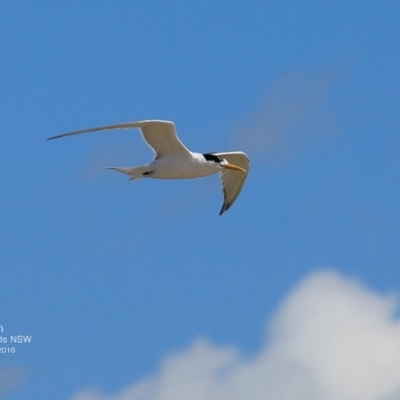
330,339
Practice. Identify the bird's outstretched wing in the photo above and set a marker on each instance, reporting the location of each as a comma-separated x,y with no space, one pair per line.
233,181
159,135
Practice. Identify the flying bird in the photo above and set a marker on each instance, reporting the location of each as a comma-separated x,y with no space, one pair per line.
174,161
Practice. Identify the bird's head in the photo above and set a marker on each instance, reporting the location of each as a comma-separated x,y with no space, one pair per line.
222,162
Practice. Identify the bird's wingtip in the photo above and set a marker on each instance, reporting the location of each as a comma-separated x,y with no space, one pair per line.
53,137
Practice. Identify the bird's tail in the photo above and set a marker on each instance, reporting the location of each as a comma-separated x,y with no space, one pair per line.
132,172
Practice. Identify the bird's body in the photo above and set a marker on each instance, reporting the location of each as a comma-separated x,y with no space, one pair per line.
174,161
171,167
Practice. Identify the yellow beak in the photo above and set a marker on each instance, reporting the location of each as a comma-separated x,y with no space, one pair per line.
235,168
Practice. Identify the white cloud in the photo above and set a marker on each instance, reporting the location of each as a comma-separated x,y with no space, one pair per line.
10,378
331,339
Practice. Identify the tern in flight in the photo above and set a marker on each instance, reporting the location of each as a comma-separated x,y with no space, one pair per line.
174,161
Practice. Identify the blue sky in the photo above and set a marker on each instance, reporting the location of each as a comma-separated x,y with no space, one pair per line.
112,277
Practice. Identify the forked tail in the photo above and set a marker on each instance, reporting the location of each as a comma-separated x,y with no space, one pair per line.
132,172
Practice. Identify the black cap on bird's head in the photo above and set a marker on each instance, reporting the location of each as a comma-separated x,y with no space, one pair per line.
222,162
213,157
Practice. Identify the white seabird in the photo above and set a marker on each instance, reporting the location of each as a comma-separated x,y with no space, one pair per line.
174,161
